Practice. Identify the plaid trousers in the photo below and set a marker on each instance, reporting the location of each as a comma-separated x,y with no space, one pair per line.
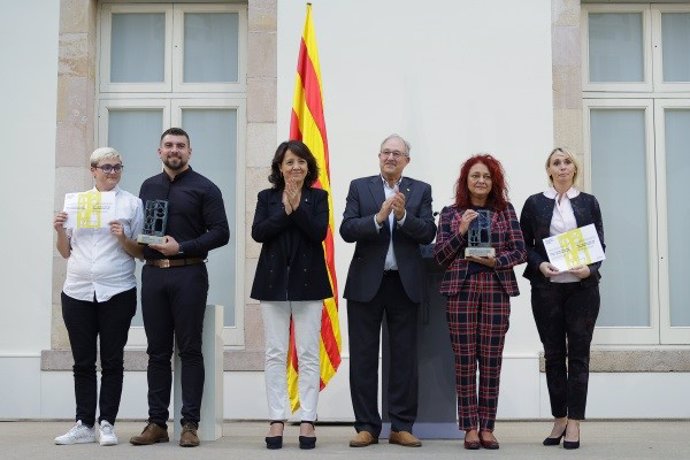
478,321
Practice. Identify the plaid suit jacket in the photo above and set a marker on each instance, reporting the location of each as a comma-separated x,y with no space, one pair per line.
506,238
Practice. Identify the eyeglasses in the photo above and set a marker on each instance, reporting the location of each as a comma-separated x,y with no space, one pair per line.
394,153
110,168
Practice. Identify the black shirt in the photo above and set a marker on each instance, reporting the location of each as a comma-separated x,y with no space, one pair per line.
196,214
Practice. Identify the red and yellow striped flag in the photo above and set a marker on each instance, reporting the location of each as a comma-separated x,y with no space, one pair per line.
308,125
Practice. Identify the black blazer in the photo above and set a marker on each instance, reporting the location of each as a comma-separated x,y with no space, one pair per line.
364,199
535,221
291,264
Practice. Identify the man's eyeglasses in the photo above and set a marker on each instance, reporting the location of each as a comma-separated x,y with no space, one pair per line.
110,168
394,153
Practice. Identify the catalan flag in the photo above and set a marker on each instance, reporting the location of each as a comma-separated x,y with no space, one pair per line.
308,125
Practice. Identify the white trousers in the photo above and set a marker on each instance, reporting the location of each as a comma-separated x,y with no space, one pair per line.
307,318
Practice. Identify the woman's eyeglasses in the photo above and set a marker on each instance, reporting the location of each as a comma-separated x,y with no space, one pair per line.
110,168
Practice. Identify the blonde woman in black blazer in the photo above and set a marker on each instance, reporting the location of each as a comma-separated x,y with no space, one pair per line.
291,279
565,304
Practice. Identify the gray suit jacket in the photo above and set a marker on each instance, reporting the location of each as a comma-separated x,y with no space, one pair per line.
364,199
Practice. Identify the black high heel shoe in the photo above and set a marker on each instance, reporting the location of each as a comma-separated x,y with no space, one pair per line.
307,442
572,444
275,442
554,441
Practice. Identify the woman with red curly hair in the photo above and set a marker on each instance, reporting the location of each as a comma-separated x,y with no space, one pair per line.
478,290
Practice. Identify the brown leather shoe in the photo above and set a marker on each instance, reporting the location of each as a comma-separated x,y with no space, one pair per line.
404,438
363,439
152,434
188,438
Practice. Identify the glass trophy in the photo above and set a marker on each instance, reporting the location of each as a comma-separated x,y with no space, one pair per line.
155,221
479,236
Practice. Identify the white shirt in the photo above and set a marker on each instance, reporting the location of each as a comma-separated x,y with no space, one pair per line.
390,263
563,219
98,265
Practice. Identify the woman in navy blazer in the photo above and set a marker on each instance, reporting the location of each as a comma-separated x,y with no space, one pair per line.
291,279
478,290
565,304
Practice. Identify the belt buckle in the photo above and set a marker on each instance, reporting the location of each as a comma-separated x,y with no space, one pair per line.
164,263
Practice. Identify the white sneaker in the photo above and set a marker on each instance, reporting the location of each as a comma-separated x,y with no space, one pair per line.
78,434
106,434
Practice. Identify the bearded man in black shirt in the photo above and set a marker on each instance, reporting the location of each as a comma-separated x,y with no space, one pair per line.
175,285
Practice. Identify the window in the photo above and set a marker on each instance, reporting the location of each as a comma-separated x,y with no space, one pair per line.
163,65
637,123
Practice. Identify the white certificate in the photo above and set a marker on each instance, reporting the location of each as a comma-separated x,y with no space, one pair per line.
575,247
89,209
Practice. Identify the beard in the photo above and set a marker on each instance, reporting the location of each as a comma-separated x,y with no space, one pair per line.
174,163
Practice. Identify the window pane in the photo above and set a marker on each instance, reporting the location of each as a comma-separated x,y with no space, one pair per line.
135,133
677,123
615,47
213,137
675,30
210,47
619,179
138,48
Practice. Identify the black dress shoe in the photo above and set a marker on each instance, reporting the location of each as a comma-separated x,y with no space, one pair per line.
572,444
307,442
553,441
274,442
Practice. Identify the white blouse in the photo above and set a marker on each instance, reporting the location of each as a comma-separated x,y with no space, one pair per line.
98,265
563,219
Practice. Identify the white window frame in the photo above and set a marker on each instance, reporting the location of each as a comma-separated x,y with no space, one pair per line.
659,84
232,336
172,98
646,84
178,49
105,29
627,335
678,334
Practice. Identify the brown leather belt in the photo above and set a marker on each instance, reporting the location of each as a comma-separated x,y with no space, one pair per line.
167,263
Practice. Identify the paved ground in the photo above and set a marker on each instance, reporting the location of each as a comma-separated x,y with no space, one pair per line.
660,440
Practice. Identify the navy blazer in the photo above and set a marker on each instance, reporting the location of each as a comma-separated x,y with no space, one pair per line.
364,199
291,264
535,221
506,239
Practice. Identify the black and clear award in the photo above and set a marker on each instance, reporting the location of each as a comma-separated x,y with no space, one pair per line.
155,221
479,236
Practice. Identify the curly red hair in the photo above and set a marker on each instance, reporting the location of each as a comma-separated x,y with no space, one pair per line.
498,197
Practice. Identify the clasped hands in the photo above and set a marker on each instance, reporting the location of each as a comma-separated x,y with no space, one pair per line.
549,270
291,196
394,204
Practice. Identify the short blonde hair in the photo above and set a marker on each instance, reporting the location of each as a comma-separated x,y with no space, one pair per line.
568,155
103,153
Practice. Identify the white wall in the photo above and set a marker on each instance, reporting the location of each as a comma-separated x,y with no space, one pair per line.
454,77
28,91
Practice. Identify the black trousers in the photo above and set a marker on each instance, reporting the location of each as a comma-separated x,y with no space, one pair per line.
364,328
173,302
565,315
86,323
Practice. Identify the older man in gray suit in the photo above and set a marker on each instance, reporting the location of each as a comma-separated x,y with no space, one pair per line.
389,216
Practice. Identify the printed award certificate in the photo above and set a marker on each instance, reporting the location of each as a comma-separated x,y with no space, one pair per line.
575,247
89,209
